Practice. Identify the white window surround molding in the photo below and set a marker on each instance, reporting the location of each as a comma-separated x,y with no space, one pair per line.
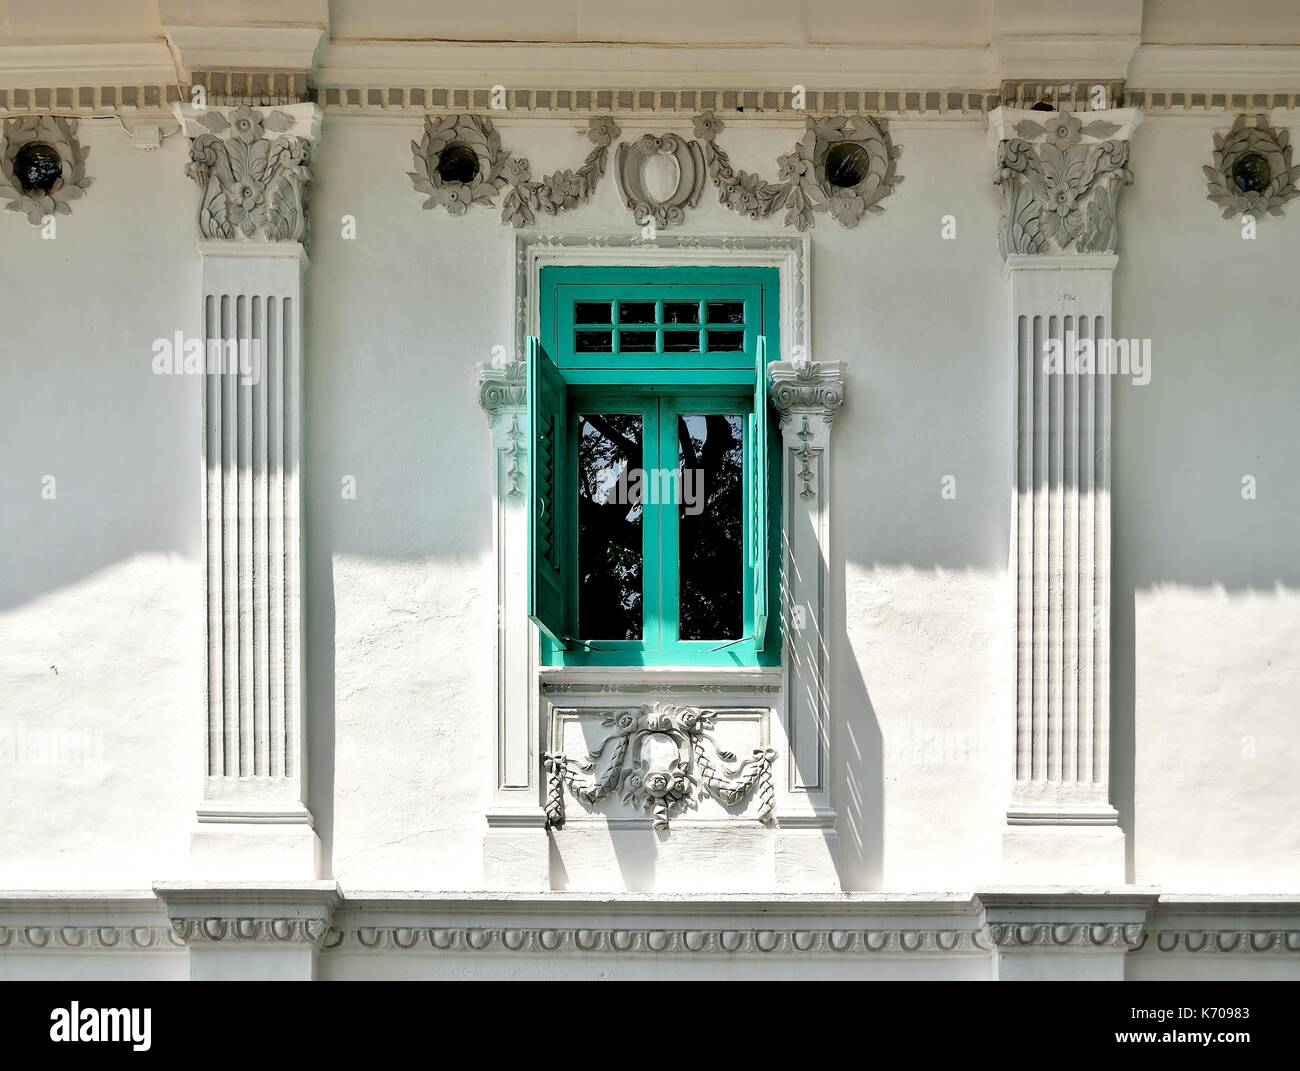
516,846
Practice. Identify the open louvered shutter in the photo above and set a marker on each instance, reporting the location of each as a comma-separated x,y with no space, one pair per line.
547,398
758,495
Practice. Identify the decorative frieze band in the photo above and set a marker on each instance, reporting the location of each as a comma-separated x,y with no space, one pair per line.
690,942
310,931
89,938
1065,935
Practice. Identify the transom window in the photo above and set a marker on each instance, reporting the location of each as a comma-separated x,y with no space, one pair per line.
650,491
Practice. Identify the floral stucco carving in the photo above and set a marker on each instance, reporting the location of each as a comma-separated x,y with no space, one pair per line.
485,168
563,190
1060,193
1252,173
804,183
252,173
662,758
57,136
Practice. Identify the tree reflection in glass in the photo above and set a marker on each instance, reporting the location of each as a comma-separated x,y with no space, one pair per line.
711,456
609,527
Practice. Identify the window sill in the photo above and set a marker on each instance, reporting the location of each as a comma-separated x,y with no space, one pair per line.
598,677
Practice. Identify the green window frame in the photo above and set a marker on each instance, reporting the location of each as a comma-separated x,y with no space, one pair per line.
660,377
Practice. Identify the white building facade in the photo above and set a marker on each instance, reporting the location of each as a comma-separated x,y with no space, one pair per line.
998,303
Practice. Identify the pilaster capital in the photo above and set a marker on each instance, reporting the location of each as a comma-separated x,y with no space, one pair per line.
1060,174
502,387
251,165
807,388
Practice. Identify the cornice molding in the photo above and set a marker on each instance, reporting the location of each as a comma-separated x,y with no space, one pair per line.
1040,935
90,938
273,48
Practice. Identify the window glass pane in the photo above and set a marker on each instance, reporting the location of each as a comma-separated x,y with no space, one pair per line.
711,457
592,342
726,341
610,514
726,312
681,312
592,312
681,342
636,312
636,342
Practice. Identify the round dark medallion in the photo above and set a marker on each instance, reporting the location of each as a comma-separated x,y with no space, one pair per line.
1250,173
847,164
37,167
457,163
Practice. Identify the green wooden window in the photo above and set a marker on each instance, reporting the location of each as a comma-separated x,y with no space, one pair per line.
650,467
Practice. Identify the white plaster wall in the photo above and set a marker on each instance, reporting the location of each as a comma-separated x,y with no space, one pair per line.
100,587
104,583
1207,584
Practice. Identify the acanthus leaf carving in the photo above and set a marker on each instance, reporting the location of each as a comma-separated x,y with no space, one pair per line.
1060,193
662,758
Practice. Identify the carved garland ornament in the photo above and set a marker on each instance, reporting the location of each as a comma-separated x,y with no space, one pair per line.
842,166
460,162
253,186
43,148
1252,173
1060,194
662,758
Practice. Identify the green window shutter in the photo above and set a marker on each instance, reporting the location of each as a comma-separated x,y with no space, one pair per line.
758,496
547,421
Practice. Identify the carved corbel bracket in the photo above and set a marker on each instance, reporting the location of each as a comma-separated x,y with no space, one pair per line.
42,166
844,166
1252,174
807,389
1060,176
663,759
251,165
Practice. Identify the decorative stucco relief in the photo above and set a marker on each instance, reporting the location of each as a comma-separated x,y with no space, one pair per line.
311,931
662,758
42,167
460,162
685,162
841,165
806,388
252,173
1252,173
686,941
1060,193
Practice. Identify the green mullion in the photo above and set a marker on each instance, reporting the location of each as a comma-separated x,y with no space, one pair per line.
670,558
652,525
